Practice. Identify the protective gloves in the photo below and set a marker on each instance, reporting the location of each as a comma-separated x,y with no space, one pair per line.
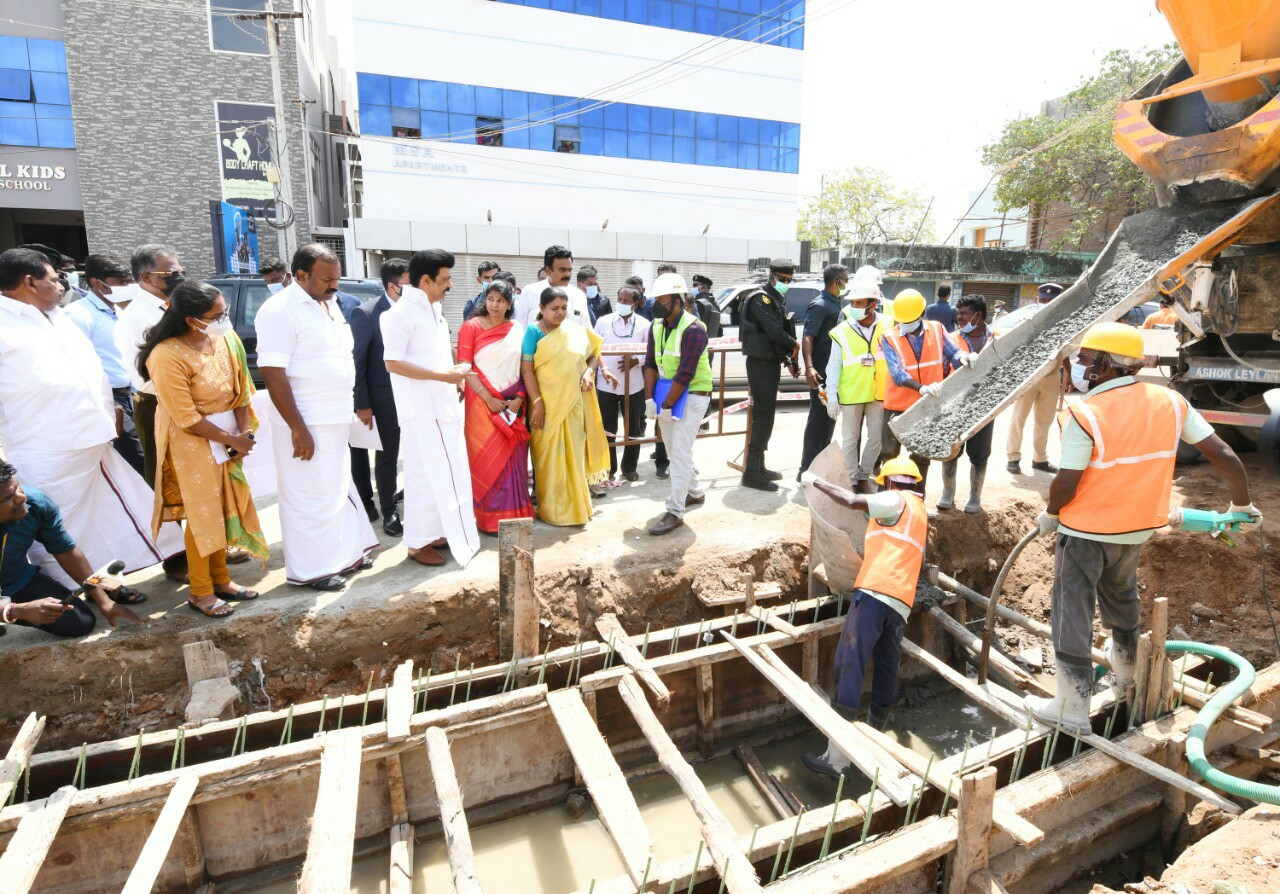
1046,524
808,478
931,390
651,409
1250,510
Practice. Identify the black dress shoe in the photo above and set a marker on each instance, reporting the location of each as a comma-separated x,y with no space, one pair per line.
329,584
1045,466
663,472
399,496
372,511
773,476
631,476
393,526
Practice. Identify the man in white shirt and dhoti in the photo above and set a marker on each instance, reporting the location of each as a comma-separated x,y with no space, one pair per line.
58,423
438,508
304,353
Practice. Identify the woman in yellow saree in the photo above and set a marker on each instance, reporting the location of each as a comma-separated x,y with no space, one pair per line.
559,359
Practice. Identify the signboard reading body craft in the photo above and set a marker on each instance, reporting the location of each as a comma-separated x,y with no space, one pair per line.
244,147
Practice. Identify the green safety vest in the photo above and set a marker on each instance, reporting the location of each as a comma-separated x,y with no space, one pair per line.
858,381
667,353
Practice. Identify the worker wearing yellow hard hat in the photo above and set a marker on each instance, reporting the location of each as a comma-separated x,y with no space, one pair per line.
1119,445
917,352
885,591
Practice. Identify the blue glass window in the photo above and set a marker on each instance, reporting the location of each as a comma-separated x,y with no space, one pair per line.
466,113
15,84
18,132
17,110
682,17
51,87
615,9
13,53
589,7
660,13
35,98
637,11
56,133
704,20
777,22
563,5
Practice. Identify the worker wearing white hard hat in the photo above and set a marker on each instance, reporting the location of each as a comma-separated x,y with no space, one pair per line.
856,376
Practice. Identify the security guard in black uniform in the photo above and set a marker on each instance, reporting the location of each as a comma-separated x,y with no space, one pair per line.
708,312
768,341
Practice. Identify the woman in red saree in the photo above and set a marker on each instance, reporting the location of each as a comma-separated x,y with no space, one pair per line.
497,440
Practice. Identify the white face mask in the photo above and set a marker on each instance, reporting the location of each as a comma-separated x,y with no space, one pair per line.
909,327
625,310
593,291
1080,376
274,287
220,329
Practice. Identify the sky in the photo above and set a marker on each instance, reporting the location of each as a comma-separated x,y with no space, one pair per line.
917,87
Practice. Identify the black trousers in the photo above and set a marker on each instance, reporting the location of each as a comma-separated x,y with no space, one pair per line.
127,444
144,421
611,409
763,377
77,622
978,448
818,430
384,466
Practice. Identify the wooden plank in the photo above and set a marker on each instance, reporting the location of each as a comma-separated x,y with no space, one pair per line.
771,618
204,661
1157,680
748,590
512,533
973,823
396,790
722,843
401,872
327,869
619,813
1021,830
27,849
1236,714
706,709
809,661
873,863
609,628
1175,799
1267,757
983,882
763,782
457,837
973,643
400,702
866,756
762,591
191,849
526,605
19,754
1106,746
146,869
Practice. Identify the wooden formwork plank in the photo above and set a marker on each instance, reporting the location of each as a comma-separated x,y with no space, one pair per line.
866,756
1197,698
730,860
763,782
617,807
983,882
327,869
25,853
19,754
766,590
973,643
149,863
610,629
400,702
1106,746
516,639
771,618
887,858
706,709
1156,677
396,790
973,822
457,837
401,871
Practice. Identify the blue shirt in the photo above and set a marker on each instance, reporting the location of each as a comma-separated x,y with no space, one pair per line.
898,372
97,320
469,308
820,317
43,524
942,312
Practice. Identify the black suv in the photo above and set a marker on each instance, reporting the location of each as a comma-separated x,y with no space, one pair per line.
246,293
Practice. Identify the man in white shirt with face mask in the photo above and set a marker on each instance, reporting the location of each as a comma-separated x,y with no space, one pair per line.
558,262
275,273
625,400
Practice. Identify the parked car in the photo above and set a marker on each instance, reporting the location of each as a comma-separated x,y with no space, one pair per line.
246,293
802,291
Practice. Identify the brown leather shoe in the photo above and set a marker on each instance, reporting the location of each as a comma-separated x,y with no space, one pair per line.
666,524
692,500
442,543
425,555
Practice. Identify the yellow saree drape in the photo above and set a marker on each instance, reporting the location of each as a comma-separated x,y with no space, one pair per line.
571,451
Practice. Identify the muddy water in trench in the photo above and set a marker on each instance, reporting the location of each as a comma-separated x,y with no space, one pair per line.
549,852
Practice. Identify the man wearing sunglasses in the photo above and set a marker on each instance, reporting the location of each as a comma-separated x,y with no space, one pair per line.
768,343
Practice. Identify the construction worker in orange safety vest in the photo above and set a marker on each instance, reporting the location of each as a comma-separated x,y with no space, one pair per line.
893,555
1119,444
918,353
972,336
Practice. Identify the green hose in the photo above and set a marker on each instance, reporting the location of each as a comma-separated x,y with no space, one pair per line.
1254,791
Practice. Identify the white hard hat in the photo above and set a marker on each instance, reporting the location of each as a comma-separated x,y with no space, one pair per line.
862,288
867,271
669,284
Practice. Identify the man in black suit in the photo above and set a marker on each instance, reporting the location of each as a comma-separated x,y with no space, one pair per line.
374,400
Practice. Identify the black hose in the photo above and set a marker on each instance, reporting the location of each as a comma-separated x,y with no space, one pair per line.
989,626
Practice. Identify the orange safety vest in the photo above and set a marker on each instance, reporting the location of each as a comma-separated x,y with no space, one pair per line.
1135,430
895,553
925,369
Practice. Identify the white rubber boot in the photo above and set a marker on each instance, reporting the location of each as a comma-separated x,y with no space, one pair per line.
1122,653
977,475
947,501
1070,706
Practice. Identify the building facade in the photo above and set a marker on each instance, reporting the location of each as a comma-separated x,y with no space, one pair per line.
632,132
146,112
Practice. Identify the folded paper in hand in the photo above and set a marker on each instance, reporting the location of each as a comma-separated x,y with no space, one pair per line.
227,422
363,437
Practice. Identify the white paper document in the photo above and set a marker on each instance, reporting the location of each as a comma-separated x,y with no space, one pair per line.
362,437
227,422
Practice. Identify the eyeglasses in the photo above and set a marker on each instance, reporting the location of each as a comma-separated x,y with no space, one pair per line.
168,273
220,318
783,277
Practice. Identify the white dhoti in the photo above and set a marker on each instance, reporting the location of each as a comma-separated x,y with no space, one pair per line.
437,487
323,525
106,508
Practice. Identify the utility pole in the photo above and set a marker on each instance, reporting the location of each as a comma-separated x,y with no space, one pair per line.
272,19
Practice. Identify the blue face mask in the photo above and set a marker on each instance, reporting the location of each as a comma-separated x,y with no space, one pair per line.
909,327
593,291
274,287
968,327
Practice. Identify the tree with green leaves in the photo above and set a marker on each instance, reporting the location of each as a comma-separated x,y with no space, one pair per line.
1068,158
863,205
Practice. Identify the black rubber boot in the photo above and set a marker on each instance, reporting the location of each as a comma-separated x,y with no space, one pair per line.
1123,653
877,717
754,476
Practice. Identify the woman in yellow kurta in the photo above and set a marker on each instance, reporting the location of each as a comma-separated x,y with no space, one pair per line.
559,359
204,428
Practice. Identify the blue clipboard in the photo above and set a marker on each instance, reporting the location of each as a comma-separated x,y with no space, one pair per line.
660,391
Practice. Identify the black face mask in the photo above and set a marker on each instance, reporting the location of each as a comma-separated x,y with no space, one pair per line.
661,311
170,283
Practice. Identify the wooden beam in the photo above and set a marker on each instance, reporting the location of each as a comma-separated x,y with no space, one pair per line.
764,590
1267,757
973,643
722,843
457,837
526,605
973,823
146,869
19,755
763,782
1157,678
619,813
327,869
609,628
809,661
866,756
27,849
1175,799
400,702
514,533
401,873
1197,698
748,590
893,856
396,790
770,618
984,698
1021,830
706,709
983,882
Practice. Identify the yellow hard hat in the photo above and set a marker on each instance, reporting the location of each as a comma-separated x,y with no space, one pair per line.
1114,338
899,465
908,305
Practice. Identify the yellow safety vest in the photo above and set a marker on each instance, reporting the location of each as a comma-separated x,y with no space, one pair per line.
860,383
667,353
